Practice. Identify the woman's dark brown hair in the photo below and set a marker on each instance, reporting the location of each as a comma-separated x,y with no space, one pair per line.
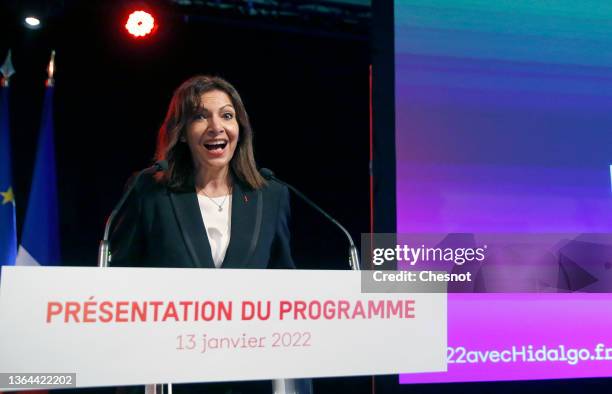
184,105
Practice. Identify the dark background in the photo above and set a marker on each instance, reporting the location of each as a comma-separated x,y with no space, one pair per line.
304,84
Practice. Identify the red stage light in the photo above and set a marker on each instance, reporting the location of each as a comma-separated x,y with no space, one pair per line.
140,23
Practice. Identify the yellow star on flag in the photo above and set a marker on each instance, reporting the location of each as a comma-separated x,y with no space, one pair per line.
8,196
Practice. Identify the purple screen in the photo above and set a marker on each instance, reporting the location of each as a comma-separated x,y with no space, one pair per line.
504,124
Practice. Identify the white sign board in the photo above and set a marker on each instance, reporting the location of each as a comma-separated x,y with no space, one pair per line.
126,326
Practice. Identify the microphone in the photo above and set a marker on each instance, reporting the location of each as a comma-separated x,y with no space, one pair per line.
104,250
353,254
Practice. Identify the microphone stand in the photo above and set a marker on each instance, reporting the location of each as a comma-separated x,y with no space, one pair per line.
353,253
291,386
104,256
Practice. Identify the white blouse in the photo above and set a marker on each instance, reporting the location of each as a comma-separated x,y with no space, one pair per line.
217,224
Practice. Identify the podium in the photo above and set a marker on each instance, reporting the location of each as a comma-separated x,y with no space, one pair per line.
107,325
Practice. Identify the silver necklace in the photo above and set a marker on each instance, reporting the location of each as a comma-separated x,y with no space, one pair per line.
220,206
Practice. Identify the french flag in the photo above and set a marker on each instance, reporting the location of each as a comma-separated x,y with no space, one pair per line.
40,237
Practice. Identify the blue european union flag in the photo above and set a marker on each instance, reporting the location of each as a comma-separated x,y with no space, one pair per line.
8,230
40,237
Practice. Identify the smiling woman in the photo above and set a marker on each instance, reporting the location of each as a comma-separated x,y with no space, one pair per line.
211,208
214,128
207,111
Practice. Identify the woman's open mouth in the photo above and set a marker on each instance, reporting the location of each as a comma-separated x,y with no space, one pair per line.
216,147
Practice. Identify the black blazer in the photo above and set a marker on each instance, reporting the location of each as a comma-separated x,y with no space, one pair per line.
160,227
